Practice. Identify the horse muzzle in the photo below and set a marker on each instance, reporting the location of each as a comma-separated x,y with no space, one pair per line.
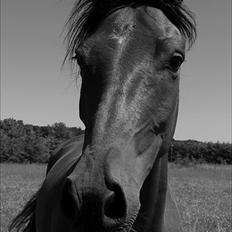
96,198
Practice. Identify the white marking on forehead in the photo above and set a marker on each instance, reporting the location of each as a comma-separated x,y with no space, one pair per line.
120,39
123,25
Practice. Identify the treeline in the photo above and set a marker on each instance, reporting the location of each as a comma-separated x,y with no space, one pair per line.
23,143
192,152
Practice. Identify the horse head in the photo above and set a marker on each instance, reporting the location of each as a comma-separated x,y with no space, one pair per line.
130,59
130,54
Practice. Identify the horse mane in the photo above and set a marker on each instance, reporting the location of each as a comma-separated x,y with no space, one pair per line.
25,220
86,15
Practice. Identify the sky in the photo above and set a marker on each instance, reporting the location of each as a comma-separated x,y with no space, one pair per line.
36,89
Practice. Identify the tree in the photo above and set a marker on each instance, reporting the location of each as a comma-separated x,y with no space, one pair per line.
36,149
13,128
60,130
5,146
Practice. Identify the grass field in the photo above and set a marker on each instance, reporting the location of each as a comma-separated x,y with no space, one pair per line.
203,194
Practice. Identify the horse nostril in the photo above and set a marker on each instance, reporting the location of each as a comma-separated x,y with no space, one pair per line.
115,204
70,202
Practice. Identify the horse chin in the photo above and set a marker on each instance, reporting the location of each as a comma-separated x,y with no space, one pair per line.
125,226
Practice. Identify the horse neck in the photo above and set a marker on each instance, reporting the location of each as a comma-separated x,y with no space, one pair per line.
152,198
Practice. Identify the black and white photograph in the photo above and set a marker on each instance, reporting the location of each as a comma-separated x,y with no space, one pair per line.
115,116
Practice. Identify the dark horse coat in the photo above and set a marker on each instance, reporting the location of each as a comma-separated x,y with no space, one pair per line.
129,53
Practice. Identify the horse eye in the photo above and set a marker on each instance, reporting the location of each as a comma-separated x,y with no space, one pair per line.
175,63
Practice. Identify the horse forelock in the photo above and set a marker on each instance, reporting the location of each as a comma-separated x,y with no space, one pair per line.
86,15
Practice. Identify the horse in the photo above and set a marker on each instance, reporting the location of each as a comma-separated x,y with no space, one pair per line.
114,177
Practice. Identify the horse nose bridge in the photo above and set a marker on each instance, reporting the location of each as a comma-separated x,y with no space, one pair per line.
112,167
